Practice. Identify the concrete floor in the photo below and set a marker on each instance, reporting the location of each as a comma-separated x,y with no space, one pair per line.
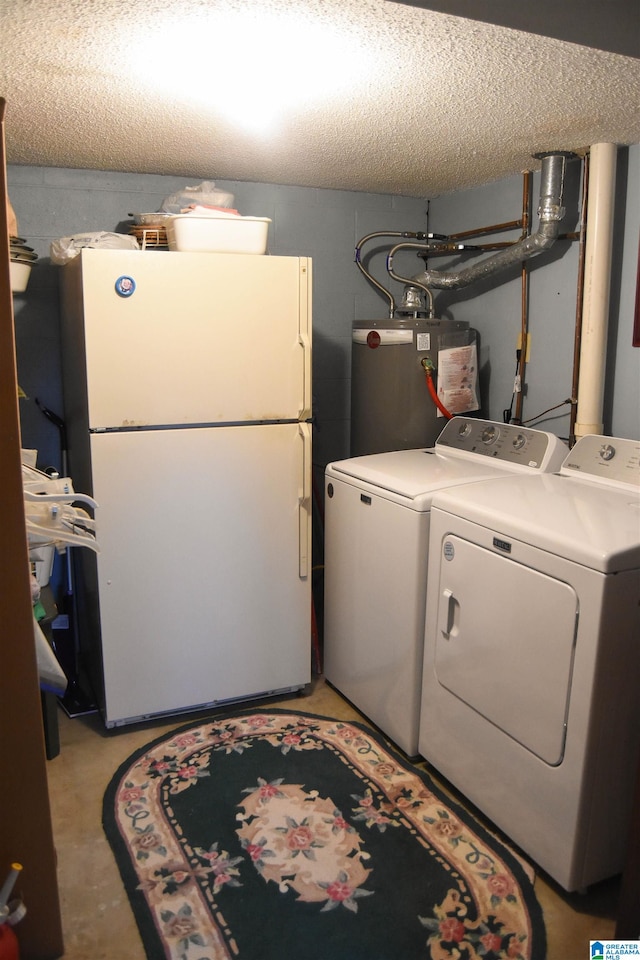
97,921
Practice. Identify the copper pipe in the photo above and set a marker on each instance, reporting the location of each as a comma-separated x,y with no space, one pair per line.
579,297
481,231
524,307
448,249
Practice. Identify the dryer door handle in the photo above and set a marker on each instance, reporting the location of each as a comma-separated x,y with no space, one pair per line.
450,610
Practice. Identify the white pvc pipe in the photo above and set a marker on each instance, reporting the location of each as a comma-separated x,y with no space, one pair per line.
597,281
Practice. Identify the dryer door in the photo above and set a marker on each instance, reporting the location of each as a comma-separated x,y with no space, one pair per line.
505,642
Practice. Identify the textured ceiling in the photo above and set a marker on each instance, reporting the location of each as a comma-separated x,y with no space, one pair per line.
348,94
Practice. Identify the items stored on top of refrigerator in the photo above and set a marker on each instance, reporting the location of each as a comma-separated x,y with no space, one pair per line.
205,232
187,403
201,194
205,221
197,219
65,249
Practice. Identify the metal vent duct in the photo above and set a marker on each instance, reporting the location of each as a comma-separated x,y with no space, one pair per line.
550,213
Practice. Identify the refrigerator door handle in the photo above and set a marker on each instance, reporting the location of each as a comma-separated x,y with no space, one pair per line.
305,342
304,503
304,334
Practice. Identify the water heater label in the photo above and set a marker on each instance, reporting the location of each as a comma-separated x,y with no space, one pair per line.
458,378
423,341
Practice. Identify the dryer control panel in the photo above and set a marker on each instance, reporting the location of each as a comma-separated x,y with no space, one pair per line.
507,442
609,460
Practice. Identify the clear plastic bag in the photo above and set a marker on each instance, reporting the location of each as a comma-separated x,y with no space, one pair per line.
66,248
204,193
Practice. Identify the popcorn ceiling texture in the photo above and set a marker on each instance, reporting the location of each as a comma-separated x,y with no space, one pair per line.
437,103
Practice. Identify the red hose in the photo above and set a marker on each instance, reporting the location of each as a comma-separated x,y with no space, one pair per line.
434,396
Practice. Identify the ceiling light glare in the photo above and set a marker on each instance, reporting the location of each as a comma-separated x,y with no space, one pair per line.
251,71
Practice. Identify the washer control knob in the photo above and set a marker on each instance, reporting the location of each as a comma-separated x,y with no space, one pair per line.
464,429
607,452
519,441
490,434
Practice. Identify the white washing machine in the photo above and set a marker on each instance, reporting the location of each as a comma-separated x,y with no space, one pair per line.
531,704
376,541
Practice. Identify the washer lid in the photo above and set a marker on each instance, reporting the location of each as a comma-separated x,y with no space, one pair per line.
588,523
411,474
467,449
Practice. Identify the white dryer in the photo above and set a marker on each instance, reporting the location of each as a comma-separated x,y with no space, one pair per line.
531,703
376,542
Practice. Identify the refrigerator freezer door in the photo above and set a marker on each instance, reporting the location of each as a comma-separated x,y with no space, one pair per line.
200,593
188,338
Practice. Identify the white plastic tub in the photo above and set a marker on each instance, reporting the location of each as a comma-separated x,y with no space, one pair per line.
217,234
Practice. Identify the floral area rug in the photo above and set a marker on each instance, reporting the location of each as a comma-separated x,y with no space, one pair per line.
287,836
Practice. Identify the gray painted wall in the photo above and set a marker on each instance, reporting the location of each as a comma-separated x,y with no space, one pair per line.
325,224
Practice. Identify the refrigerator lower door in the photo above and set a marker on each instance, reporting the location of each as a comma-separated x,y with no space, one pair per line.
203,576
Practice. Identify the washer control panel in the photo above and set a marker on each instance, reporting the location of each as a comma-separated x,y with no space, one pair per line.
502,441
609,459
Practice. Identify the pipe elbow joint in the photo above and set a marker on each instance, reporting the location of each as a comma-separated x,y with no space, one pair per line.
546,235
538,243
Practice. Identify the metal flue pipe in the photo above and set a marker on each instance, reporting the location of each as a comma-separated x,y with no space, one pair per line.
550,213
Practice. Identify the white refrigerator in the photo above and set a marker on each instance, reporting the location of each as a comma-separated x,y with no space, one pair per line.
187,381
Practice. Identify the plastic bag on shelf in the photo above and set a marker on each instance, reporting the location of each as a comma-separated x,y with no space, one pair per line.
204,194
67,248
199,210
